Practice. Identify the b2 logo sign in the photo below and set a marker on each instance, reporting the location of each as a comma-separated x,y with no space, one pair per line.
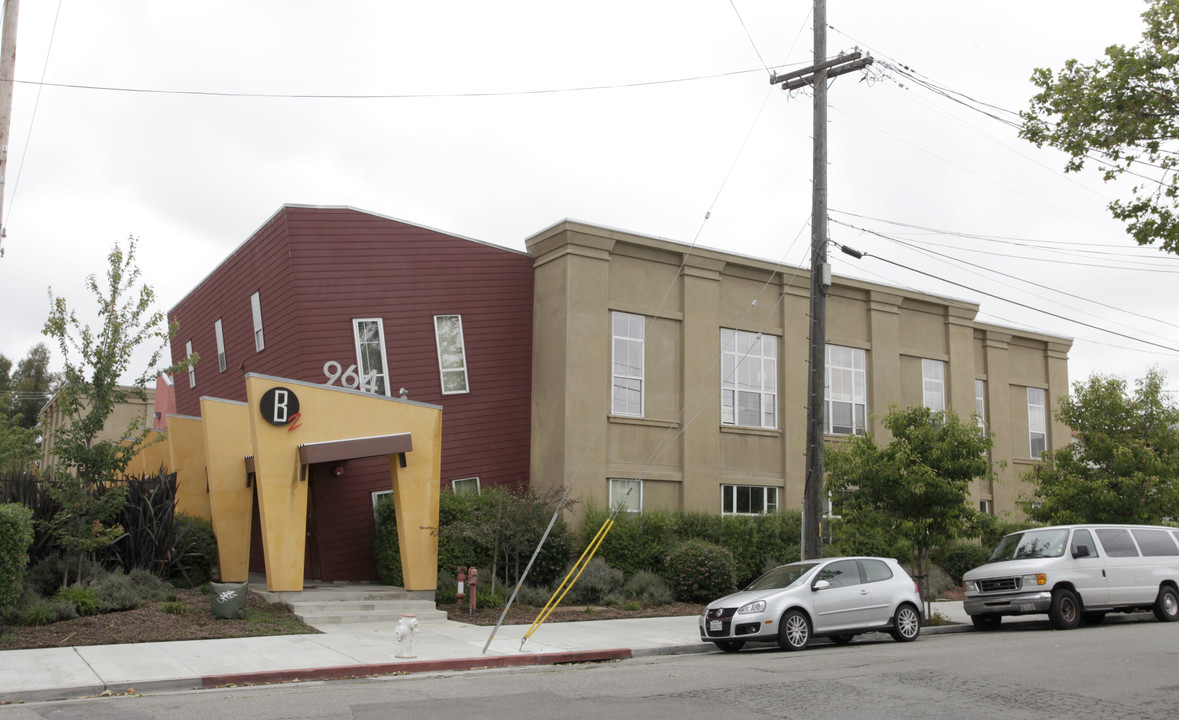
349,378
280,406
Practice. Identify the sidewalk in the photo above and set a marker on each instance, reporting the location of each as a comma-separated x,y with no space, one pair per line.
350,651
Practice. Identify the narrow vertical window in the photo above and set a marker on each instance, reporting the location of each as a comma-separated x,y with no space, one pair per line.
256,308
220,345
370,355
452,355
628,333
933,384
749,379
191,369
1037,422
847,391
627,494
980,406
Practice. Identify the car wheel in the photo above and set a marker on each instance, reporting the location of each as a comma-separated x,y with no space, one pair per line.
729,645
1166,607
906,624
841,639
1093,618
1065,611
989,621
794,633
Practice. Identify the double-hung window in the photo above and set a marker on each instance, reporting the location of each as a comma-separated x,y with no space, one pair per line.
371,363
933,384
847,390
627,494
256,310
628,331
749,379
452,356
980,406
1037,422
220,345
748,500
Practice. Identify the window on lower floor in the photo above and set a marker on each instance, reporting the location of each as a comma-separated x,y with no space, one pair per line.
984,506
749,379
465,486
847,390
1037,422
748,500
452,355
627,494
378,496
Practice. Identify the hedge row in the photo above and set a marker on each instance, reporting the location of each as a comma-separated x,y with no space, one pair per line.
16,536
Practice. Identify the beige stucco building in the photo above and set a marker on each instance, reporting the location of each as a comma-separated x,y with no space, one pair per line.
133,410
668,376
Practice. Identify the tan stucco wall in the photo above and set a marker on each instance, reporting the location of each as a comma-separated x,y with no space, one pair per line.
226,427
583,273
186,452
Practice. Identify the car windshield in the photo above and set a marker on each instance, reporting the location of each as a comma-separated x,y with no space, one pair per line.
781,577
1031,544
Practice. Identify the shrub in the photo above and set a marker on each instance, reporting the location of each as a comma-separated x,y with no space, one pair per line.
147,585
194,550
386,547
486,598
700,571
647,588
38,613
958,558
16,537
117,591
84,600
595,582
635,542
534,595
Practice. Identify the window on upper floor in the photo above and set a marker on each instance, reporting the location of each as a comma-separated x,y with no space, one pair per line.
749,379
628,332
847,390
748,500
370,355
256,309
452,356
1037,422
980,406
933,384
627,493
191,368
220,345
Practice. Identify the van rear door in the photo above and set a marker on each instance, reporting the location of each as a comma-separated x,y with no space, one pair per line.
1122,565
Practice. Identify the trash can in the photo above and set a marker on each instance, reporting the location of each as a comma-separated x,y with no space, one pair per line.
229,600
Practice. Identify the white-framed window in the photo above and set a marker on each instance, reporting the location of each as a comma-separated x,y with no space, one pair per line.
847,390
749,379
626,493
452,355
466,486
980,405
984,506
370,355
256,309
191,369
377,495
748,500
933,384
1037,422
220,345
628,331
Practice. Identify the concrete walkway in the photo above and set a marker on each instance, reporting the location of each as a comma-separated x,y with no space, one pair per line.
346,651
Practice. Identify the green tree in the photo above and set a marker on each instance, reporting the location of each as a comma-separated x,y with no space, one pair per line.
18,445
1122,113
95,363
916,486
32,385
1123,463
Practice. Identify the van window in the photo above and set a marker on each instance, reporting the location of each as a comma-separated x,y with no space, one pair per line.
1155,543
1117,542
1082,538
876,571
1030,544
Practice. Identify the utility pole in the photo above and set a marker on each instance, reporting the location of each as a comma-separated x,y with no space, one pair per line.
816,77
7,76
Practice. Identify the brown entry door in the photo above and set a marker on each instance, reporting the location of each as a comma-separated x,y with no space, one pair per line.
311,564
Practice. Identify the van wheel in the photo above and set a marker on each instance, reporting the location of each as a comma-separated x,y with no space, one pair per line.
1166,607
794,631
990,621
906,624
730,645
1065,611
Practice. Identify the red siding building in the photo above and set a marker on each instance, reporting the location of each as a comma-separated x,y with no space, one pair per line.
345,297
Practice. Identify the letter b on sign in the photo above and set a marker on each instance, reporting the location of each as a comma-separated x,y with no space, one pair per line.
279,406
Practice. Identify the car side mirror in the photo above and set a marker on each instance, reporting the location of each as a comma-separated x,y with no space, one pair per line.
820,585
1081,551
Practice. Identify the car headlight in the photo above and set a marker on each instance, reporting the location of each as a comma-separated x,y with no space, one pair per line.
1038,579
753,607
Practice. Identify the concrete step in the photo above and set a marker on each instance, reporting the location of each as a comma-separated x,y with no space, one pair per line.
345,617
331,605
377,607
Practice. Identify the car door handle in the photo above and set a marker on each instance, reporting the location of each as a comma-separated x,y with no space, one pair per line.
864,591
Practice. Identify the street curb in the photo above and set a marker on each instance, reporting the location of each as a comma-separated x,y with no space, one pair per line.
411,666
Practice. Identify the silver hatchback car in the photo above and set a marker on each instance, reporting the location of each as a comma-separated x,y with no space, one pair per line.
837,598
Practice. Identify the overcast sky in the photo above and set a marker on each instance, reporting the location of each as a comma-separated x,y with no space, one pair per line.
167,121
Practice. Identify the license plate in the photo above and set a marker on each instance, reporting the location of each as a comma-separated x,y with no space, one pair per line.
715,625
1027,607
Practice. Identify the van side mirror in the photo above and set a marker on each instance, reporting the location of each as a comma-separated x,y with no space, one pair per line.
1081,551
820,585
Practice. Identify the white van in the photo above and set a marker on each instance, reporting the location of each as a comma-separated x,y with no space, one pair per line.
1075,572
